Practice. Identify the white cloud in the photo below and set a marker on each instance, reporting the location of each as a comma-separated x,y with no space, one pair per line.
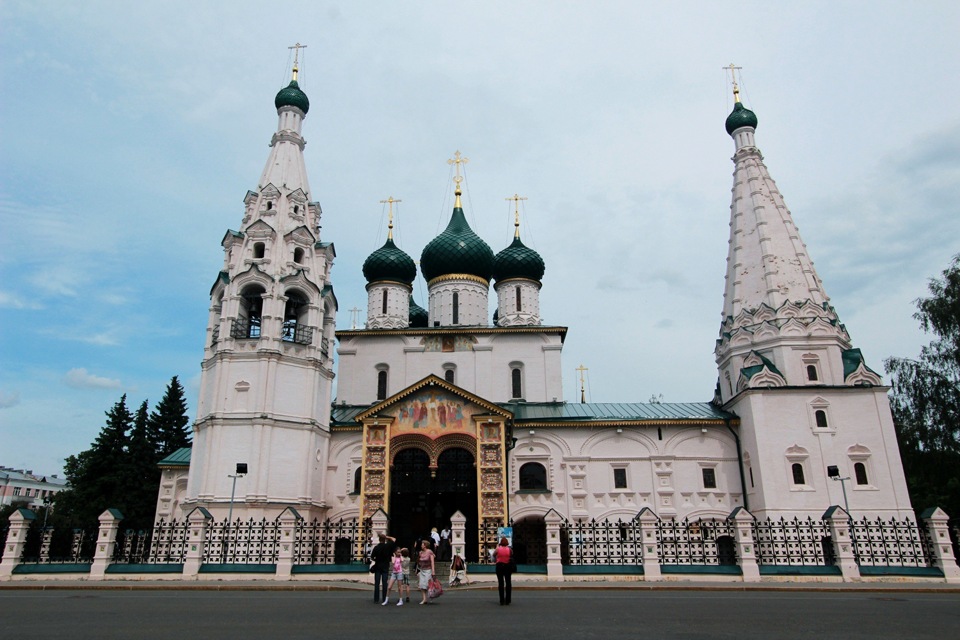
13,301
82,379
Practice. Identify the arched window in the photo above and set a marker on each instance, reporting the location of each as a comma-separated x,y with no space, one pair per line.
247,325
516,383
269,206
860,471
533,477
357,480
812,374
798,478
381,384
821,417
259,250
295,327
383,308
449,376
519,305
298,255
456,308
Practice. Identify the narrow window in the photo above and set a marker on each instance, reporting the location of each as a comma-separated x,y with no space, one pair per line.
258,250
298,255
269,206
860,471
357,479
709,478
659,433
798,478
448,375
812,373
296,208
456,308
384,305
519,306
821,417
381,385
517,389
533,477
750,469
620,478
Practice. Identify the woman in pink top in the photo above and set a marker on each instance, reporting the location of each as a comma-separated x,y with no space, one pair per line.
425,563
502,556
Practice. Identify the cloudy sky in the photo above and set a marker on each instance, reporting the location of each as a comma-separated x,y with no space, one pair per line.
131,132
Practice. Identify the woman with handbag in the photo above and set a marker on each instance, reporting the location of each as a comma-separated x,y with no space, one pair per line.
426,566
503,556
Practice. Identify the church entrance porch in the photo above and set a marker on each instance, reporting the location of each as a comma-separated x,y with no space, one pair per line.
422,498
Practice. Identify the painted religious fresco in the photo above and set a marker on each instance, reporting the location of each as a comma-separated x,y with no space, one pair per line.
434,414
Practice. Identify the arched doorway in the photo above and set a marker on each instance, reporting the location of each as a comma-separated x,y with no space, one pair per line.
420,500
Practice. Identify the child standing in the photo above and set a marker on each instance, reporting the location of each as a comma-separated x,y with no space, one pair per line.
397,576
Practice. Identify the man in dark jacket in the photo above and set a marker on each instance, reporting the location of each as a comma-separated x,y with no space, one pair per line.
382,555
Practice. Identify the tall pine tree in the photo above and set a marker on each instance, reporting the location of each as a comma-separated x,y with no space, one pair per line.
142,473
169,422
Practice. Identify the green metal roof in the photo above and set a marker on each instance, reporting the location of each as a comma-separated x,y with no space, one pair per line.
518,261
457,250
740,117
614,411
292,96
852,359
418,316
179,458
389,263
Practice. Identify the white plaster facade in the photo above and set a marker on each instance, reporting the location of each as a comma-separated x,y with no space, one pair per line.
792,392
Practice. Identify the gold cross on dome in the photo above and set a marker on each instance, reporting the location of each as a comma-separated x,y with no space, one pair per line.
296,57
458,160
733,78
581,369
516,212
390,202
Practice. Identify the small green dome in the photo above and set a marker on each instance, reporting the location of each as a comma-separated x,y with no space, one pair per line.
740,117
292,96
518,261
390,263
418,315
457,250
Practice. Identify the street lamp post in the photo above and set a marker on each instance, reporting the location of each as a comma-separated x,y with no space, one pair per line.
834,472
241,471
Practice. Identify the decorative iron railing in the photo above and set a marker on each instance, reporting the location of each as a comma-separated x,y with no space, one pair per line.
604,542
330,542
793,542
243,328
250,542
881,543
703,542
293,332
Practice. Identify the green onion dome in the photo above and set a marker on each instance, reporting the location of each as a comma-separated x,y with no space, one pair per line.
389,263
740,117
457,250
518,261
292,96
418,315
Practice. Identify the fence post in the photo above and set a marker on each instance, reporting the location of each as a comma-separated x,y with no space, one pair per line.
198,521
554,561
839,522
16,539
648,534
288,540
746,544
458,524
106,542
943,558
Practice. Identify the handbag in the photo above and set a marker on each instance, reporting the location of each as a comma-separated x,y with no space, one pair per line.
434,589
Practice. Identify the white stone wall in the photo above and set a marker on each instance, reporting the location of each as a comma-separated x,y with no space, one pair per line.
529,312
397,315
472,303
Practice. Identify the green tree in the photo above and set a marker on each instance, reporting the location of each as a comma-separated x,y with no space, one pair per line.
168,426
98,477
925,399
142,473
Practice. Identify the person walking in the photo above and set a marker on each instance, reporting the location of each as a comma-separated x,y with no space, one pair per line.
425,562
381,556
503,556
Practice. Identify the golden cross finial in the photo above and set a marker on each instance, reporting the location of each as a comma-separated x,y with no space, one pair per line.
354,316
296,57
733,77
390,201
516,213
458,160
581,369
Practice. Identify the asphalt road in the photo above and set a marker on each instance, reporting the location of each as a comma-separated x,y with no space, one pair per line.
462,615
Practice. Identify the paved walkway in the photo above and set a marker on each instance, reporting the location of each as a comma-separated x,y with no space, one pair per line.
345,585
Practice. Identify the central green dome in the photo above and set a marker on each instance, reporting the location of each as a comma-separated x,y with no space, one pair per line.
457,250
518,261
390,263
740,117
292,96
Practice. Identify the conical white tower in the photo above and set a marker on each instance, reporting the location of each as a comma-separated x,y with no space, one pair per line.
266,384
805,398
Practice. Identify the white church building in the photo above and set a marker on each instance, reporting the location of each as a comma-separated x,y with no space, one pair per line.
449,407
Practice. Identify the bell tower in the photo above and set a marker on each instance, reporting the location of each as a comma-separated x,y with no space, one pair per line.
267,371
